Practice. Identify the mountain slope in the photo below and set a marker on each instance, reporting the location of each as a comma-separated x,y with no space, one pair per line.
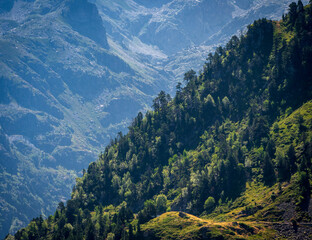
73,73
238,131
178,35
60,85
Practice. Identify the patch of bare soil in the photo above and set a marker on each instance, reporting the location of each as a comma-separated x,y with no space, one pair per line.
303,231
289,210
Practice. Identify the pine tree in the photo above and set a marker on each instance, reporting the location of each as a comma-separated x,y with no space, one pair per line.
268,170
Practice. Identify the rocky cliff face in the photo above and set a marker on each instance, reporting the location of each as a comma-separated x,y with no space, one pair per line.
180,24
83,16
177,35
6,5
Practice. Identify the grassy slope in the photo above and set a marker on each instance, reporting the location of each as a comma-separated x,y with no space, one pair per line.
259,212
178,225
265,219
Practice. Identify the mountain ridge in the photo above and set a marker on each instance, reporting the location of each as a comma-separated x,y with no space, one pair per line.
53,103
233,146
60,89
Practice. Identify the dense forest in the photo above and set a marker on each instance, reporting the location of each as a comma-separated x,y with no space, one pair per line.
245,118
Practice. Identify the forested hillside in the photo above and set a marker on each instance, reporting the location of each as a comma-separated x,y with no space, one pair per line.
234,144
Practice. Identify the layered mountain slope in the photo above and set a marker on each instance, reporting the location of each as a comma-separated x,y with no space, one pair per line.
178,35
61,95
233,145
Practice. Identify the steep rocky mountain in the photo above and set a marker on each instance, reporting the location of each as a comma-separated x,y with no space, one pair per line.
175,35
64,94
74,73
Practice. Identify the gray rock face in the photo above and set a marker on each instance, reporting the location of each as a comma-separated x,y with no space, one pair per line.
176,35
185,23
74,73
84,18
6,5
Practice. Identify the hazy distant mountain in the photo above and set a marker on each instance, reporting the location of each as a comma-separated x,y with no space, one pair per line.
177,35
74,73
64,94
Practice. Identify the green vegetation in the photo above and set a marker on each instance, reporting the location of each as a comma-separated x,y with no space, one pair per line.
209,203
229,144
178,225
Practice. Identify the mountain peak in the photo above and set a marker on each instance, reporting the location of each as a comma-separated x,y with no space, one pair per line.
84,18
